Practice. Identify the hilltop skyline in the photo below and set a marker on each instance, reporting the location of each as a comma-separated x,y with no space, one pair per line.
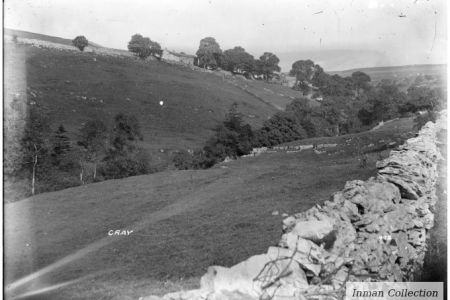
345,35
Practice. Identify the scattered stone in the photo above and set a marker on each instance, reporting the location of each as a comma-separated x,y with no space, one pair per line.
304,260
289,222
314,230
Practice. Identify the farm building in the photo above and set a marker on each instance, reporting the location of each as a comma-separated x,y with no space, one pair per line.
181,57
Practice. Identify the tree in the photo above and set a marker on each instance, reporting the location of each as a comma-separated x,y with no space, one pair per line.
333,85
125,134
421,98
361,81
124,157
183,160
131,163
384,102
14,123
77,158
232,138
365,116
281,128
237,60
94,141
267,64
36,145
209,53
60,146
303,70
80,42
143,47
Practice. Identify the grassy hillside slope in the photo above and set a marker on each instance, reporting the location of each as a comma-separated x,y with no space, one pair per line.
183,221
275,94
76,86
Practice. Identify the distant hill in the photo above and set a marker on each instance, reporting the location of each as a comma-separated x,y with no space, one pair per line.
339,59
43,37
398,72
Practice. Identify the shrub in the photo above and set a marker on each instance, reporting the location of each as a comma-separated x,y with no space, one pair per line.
80,42
136,163
183,160
203,160
125,157
233,138
424,118
280,128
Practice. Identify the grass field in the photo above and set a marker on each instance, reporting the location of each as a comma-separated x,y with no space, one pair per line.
275,94
183,221
75,86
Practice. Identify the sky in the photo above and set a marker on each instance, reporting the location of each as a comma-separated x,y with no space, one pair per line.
337,34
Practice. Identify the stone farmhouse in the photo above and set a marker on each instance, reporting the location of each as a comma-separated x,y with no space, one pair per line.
183,58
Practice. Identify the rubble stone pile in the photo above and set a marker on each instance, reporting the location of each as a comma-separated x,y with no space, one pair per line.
374,230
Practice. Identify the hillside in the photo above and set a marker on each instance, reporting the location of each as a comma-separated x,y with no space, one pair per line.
183,221
399,72
276,94
335,59
75,86
43,37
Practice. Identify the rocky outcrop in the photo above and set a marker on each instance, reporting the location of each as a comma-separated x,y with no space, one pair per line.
374,230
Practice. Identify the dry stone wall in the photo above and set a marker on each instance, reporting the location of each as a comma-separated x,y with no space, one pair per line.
374,230
62,47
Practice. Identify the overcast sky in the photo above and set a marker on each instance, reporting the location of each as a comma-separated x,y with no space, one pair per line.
337,34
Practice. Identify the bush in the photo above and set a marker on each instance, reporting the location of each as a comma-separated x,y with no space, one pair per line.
424,118
125,165
280,128
203,160
183,160
233,138
80,42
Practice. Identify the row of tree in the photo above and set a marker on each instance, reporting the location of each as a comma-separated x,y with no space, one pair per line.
236,60
53,160
311,77
144,47
209,55
353,112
